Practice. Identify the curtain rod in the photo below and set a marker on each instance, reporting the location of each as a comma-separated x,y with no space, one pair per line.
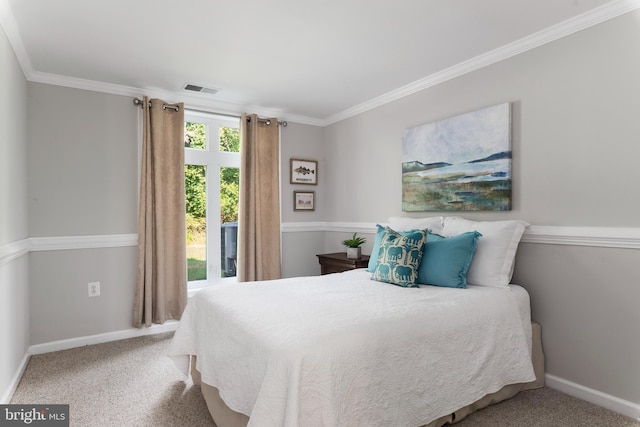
138,101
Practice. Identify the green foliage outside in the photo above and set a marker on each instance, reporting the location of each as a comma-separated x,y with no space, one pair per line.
196,196
229,192
229,177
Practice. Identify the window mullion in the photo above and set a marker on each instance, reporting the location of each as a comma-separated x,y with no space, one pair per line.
213,218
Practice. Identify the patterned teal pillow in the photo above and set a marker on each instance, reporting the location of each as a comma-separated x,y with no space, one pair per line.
373,260
399,257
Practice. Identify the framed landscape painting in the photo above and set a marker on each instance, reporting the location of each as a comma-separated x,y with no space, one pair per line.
461,163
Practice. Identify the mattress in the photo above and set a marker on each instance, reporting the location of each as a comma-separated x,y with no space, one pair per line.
344,350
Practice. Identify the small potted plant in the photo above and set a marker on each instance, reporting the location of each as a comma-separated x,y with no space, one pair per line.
353,246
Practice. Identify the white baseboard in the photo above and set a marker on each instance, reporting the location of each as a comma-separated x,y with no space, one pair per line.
6,398
168,326
615,404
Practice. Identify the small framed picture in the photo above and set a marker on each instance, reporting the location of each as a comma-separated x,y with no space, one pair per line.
304,200
304,171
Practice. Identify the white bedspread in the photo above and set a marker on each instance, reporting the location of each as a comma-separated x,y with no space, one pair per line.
343,350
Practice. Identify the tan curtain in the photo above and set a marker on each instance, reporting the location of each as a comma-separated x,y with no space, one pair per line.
259,211
161,290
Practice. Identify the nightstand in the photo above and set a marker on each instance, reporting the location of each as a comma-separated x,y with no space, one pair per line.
338,262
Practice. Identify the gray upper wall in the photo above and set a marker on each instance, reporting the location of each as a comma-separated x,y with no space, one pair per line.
575,114
83,162
298,141
13,153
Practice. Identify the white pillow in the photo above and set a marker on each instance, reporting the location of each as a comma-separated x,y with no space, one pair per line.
400,223
493,261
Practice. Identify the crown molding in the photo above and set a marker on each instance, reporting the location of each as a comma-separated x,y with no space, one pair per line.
8,22
84,84
550,34
195,102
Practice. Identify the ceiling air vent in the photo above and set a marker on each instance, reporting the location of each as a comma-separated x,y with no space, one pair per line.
201,89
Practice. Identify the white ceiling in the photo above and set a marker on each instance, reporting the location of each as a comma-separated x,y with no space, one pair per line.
314,62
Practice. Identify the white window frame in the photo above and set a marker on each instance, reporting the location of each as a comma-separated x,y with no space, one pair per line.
213,159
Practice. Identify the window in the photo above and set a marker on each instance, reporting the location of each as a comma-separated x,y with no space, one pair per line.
212,165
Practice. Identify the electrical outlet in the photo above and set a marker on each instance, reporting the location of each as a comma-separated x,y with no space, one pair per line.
94,289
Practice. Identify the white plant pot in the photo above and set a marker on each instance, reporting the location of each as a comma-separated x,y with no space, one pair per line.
354,253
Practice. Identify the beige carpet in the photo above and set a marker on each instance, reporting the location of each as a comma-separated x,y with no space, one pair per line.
133,383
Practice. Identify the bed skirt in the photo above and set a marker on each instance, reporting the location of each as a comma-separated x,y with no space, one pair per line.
223,416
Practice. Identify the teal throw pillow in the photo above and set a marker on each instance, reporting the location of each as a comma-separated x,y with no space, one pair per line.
373,259
399,257
446,260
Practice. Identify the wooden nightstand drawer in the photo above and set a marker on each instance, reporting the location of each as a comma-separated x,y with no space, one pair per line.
338,262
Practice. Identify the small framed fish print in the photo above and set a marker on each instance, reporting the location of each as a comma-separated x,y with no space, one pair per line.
304,172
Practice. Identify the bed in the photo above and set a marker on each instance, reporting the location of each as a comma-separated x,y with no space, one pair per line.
345,350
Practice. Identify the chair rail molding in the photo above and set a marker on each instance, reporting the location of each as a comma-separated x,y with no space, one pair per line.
13,250
83,242
604,237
